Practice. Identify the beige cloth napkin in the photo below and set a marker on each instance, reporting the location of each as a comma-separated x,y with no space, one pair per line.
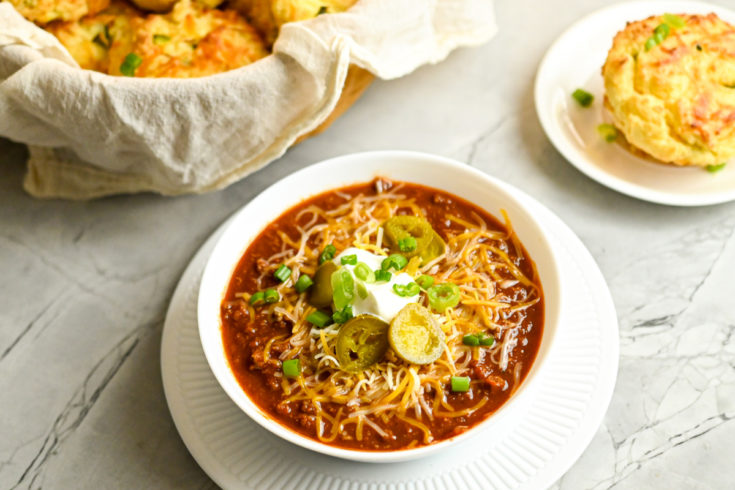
93,135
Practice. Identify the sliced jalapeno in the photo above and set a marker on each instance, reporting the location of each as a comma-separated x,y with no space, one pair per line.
361,342
428,243
320,293
415,335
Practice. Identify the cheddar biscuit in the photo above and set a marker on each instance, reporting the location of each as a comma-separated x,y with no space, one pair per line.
670,87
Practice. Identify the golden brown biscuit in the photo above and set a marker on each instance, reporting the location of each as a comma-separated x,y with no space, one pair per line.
269,15
671,92
165,5
45,11
89,39
188,42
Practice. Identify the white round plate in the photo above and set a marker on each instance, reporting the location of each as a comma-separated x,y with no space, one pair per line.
533,452
575,61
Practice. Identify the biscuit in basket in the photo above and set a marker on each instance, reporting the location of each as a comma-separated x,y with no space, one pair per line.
670,87
269,15
188,42
45,11
88,40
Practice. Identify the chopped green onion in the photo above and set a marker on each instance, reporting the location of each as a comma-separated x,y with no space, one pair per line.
319,319
608,132
661,32
407,244
291,368
303,283
363,272
443,296
460,383
161,39
343,288
322,10
131,63
395,261
271,296
471,340
424,281
257,298
282,273
715,168
410,289
327,253
486,340
674,20
381,275
584,98
342,315
362,291
349,260
650,44
699,47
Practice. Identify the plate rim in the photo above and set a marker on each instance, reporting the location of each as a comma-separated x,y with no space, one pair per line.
543,113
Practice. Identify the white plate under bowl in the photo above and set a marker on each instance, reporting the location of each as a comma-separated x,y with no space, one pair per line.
457,178
575,61
532,453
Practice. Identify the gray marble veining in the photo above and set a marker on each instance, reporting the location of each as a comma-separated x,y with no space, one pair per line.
85,287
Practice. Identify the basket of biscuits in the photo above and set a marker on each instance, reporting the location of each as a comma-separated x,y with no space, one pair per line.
183,96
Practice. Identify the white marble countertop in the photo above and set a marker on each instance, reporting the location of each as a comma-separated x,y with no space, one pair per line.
86,285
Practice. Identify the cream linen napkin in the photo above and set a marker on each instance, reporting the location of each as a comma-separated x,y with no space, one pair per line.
92,135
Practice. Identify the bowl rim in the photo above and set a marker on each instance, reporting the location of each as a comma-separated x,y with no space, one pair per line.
211,292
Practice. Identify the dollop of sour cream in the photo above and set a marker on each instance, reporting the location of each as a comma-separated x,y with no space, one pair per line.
381,300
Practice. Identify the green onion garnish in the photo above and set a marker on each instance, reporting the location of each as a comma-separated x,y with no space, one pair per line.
443,296
407,244
342,315
327,253
715,168
410,289
381,275
303,283
608,132
161,39
349,260
271,296
674,20
395,261
322,10
486,340
471,340
257,298
661,32
282,273
291,368
343,288
319,319
424,281
699,47
584,98
131,63
460,383
363,272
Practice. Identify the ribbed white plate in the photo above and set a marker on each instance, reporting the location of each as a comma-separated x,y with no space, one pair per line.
560,420
575,61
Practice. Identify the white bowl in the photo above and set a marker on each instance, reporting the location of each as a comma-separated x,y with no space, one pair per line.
434,171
